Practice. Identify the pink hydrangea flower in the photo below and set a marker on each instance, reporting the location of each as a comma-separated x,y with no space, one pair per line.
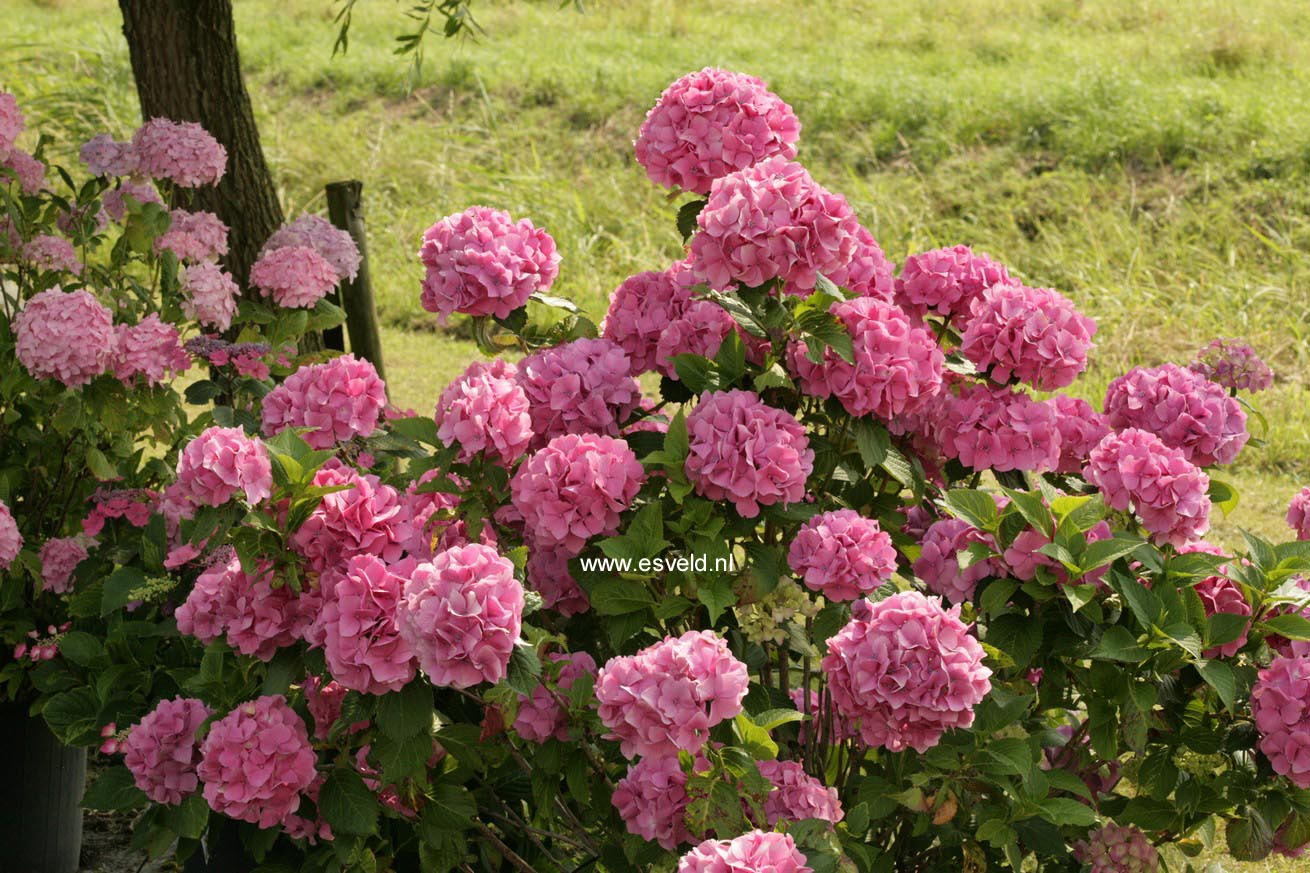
134,504
104,156
1081,428
52,254
584,386
59,558
486,410
1170,495
296,277
868,273
357,623
1220,594
772,221
461,614
1023,557
666,697
116,201
548,574
797,795
431,522
162,752
990,427
946,281
652,801
368,518
908,669
753,852
194,237
1234,365
1298,514
29,170
1184,409
1116,848
1280,705
575,488
68,336
483,262
256,618
256,761
711,123
340,399
220,462
747,452
151,348
897,366
209,295
11,541
1034,335
640,309
699,330
842,555
182,152
938,564
324,701
335,245
11,122
540,717
78,222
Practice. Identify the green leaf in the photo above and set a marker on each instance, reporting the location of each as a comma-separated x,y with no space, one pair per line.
976,507
406,713
1119,644
1223,495
825,328
188,819
772,718
696,373
1067,811
754,739
114,790
81,648
717,595
1148,814
872,440
1290,625
676,443
100,466
1250,838
1102,552
119,587
687,215
418,428
1008,756
1033,509
524,672
1221,678
348,805
202,392
619,597
452,808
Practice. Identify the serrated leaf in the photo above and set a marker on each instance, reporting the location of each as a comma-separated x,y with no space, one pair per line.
348,805
114,790
976,507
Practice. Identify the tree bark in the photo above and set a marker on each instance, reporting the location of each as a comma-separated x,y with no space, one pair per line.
186,66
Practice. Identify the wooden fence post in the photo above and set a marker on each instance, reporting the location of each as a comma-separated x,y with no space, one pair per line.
346,211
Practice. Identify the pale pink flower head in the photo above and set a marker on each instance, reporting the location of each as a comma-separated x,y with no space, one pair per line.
548,574
104,156
296,277
575,488
67,336
938,564
640,309
29,170
1280,706
1081,428
357,623
335,245
209,295
1116,848
461,615
583,386
1220,594
772,221
667,696
540,716
1183,408
52,254
182,152
797,795
256,618
1034,335
59,558
483,262
746,452
1136,469
339,399
220,462
908,669
256,761
753,852
897,366
990,427
194,237
842,555
1298,514
11,541
11,122
486,410
868,273
162,752
652,800
116,201
151,349
368,518
1234,365
699,330
711,123
946,281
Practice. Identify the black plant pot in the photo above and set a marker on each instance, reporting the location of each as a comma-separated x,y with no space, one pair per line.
41,785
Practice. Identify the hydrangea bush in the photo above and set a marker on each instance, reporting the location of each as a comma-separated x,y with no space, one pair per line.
789,564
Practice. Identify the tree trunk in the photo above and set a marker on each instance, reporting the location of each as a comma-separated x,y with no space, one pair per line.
185,62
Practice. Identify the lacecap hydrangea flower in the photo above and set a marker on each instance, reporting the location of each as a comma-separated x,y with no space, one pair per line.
1183,408
151,348
1035,335
842,555
797,795
357,624
652,800
221,461
753,852
483,262
1234,365
667,696
938,564
990,427
1280,706
1136,469
256,618
584,386
64,335
209,295
1116,848
640,309
334,245
194,237
947,281
11,541
162,752
540,716
59,558
296,277
1298,514
486,410
339,399
368,518
907,669
184,153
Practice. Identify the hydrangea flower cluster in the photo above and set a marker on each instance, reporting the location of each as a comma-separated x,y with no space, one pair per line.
1081,428
184,153
334,245
842,555
221,461
1298,514
938,564
1170,495
296,277
1234,365
746,452
666,697
699,330
584,386
52,254
1116,848
907,669
990,427
947,281
1034,335
753,852
162,752
117,202
11,122
340,399
30,171
59,559
256,618
209,295
151,348
541,717
486,410
11,541
104,156
67,336
357,624
1184,409
868,273
797,795
194,237
639,310
652,800
1280,706
548,574
711,123
368,518
483,262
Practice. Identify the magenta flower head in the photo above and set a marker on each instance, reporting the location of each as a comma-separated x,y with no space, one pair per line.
747,452
340,399
1220,594
652,801
583,386
221,461
11,122
1170,495
162,752
358,626
1280,705
640,309
699,330
369,518
797,795
541,717
772,221
151,349
1081,428
59,559
256,618
989,427
1183,408
67,336
11,541
461,615
1234,365
256,761
897,367
194,237
575,488
938,564
1298,514
666,697
486,410
209,295
333,244
296,277
868,273
711,123
947,281
1034,335
483,262
753,852
842,555
1116,848
907,669
182,152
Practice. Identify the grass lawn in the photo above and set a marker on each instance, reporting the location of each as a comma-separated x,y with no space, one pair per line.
1151,159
